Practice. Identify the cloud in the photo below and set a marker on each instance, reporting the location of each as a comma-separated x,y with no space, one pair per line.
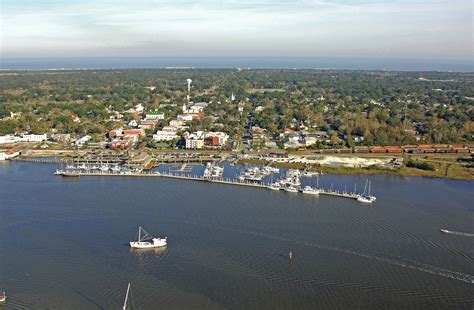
396,28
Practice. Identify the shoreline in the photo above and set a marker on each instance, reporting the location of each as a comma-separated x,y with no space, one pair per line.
444,169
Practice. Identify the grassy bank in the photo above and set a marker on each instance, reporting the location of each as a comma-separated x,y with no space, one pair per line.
443,169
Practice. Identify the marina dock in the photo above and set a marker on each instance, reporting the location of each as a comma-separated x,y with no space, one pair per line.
327,192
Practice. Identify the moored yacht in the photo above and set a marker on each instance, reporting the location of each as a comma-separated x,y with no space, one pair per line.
291,189
311,191
274,186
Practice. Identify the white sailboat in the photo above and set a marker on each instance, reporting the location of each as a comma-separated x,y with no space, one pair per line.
142,242
366,197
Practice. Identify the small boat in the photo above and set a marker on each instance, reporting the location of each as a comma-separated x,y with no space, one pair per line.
142,242
311,191
67,173
459,233
3,298
291,189
274,187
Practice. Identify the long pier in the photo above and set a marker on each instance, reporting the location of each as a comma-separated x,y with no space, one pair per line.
39,160
336,193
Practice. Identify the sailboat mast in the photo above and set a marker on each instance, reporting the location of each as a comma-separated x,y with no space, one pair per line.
139,233
126,298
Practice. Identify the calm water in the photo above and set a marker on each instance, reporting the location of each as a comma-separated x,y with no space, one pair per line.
243,62
63,244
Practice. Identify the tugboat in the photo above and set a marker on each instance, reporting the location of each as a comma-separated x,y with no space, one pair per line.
143,244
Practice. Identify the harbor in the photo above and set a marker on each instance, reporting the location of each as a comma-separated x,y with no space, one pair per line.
251,177
236,234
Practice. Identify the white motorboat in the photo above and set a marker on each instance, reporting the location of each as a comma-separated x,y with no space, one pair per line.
311,191
3,298
274,187
291,189
144,241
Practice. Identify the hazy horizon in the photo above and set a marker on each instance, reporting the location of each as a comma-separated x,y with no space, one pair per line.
398,29
46,63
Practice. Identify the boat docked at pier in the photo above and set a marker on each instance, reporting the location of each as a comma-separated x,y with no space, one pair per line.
145,241
310,190
274,186
291,189
67,173
366,196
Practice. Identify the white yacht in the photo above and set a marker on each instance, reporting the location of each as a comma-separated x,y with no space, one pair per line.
142,242
291,189
311,191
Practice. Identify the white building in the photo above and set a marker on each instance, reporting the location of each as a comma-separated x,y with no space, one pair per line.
8,155
80,142
154,116
34,138
9,139
185,117
216,138
195,140
167,133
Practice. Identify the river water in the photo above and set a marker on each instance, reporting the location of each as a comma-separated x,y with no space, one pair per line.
63,244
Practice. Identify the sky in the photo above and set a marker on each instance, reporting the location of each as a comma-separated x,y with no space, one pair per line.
411,29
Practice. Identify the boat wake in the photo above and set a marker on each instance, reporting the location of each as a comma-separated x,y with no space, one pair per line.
406,263
398,261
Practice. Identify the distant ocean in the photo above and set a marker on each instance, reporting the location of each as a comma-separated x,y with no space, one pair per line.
237,62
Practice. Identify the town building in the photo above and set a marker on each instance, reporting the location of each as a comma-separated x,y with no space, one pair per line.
82,141
9,139
154,116
167,133
34,138
195,140
215,138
